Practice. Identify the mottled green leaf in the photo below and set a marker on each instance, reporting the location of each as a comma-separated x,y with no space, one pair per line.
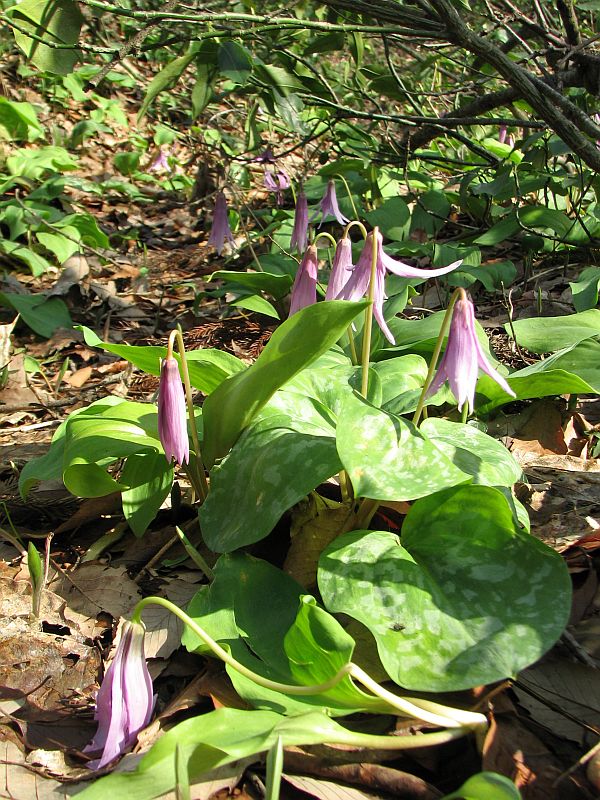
387,457
460,600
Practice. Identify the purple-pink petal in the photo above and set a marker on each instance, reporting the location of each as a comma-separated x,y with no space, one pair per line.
124,702
220,231
463,358
329,205
172,417
304,290
299,238
341,270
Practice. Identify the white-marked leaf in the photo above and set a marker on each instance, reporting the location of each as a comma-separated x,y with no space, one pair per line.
387,457
462,601
485,459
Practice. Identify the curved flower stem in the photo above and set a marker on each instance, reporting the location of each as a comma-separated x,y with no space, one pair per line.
458,293
348,192
325,235
434,713
202,485
356,224
353,354
366,349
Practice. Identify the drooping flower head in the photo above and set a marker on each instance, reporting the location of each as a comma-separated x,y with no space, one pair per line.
463,357
160,163
304,290
329,205
277,182
220,231
172,418
502,131
340,270
266,157
299,238
358,285
124,702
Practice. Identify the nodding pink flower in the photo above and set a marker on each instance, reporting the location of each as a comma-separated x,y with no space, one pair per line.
172,418
502,131
329,205
358,284
124,702
220,231
277,182
299,238
266,157
463,358
341,270
304,290
160,163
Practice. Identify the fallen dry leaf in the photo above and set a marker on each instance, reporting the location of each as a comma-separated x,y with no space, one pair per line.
93,588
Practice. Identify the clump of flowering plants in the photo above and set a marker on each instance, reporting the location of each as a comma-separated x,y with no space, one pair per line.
458,596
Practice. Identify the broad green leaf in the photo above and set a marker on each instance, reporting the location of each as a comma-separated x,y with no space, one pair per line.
167,78
202,91
149,477
49,466
207,368
93,443
33,164
254,302
549,334
493,275
486,786
42,314
59,245
585,289
18,121
277,460
213,740
420,336
387,457
430,212
473,451
88,229
56,21
263,617
36,263
235,62
506,228
544,218
393,218
574,370
276,285
298,341
402,380
460,600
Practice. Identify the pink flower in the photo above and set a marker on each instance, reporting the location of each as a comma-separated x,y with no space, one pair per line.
277,182
304,290
220,231
463,358
329,205
172,418
299,238
502,130
124,702
266,157
341,269
358,284
160,163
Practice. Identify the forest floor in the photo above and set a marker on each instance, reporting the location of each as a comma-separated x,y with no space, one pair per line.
155,276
